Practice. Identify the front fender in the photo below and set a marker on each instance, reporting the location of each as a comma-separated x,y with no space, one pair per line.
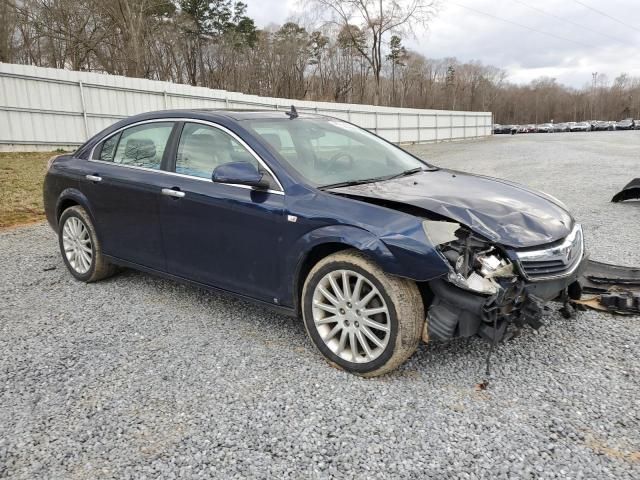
398,254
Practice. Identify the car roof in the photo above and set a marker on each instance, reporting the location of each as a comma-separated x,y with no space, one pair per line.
216,114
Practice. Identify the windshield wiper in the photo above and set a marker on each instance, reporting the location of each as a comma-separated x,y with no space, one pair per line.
411,171
350,183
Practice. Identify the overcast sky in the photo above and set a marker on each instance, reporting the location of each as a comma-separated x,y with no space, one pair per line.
581,41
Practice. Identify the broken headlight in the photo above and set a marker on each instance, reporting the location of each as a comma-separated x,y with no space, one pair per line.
475,264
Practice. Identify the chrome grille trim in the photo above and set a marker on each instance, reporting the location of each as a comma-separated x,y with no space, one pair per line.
555,261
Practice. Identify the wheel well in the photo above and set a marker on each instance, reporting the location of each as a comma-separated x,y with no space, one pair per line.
64,204
316,254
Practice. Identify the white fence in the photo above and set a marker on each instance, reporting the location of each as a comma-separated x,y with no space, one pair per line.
46,108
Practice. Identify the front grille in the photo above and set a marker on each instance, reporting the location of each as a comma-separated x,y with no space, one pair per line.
553,261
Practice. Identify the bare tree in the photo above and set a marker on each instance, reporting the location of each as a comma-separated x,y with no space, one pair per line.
378,18
7,29
213,43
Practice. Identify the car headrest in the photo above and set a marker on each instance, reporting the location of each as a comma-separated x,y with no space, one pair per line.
140,148
273,140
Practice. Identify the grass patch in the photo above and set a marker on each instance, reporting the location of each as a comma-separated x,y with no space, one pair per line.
21,177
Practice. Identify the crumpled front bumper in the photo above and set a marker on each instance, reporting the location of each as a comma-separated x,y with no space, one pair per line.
455,312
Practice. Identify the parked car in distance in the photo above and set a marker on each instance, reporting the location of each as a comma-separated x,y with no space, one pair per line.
636,124
560,127
545,128
501,129
600,125
626,124
374,248
581,127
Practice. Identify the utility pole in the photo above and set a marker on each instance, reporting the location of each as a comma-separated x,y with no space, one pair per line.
594,80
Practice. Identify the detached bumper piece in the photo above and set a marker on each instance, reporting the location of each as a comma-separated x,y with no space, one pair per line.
611,288
455,312
630,191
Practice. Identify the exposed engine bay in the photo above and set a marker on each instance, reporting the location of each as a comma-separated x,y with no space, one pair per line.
485,292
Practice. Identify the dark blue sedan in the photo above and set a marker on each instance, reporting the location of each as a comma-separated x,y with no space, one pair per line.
318,218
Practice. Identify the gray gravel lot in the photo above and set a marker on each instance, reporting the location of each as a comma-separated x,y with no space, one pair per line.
138,377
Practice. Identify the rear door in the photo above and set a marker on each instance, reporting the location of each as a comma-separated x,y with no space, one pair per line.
123,187
227,236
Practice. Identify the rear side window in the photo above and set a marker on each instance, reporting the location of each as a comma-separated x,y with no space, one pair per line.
107,149
141,146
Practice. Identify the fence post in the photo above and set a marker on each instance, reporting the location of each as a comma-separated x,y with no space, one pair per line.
451,126
84,109
399,127
349,115
166,103
375,113
437,128
418,115
476,126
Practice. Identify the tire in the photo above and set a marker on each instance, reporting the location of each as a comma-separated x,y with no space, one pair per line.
76,234
395,303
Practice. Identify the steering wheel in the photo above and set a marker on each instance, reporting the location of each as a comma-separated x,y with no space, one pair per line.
334,160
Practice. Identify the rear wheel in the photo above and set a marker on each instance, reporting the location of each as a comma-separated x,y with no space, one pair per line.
81,250
362,319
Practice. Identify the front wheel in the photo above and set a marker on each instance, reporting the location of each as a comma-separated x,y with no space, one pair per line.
362,319
81,250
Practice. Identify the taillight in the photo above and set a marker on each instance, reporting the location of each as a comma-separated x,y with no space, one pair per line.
50,161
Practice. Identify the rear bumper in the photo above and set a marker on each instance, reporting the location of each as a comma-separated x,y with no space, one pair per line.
49,202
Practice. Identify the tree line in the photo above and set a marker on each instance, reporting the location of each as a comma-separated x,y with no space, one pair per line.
355,54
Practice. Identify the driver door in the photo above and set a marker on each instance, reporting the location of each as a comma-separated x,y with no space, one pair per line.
226,236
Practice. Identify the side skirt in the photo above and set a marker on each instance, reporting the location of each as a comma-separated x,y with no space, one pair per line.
134,266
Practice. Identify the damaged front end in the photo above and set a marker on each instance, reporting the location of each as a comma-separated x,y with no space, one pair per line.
490,287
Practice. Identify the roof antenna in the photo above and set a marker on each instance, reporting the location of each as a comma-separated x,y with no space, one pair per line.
293,113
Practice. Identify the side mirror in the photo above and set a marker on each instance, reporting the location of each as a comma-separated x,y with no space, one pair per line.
240,173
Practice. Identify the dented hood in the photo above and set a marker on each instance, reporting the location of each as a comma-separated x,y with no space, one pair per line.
503,212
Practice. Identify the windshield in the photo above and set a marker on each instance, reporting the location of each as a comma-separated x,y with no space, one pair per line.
328,151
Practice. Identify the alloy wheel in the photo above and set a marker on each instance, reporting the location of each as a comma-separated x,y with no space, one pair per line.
351,316
76,242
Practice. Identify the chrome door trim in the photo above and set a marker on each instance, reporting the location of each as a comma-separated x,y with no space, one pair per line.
192,120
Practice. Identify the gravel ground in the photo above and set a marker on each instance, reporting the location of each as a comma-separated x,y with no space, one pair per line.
138,377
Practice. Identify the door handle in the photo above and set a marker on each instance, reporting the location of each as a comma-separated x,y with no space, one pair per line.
172,193
93,178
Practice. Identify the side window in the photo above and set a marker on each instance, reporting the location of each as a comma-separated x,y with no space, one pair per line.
203,148
105,151
143,146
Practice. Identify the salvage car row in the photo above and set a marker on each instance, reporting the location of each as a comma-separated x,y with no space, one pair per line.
586,126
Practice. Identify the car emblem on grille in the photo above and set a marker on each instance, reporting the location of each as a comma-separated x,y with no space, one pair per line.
568,254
